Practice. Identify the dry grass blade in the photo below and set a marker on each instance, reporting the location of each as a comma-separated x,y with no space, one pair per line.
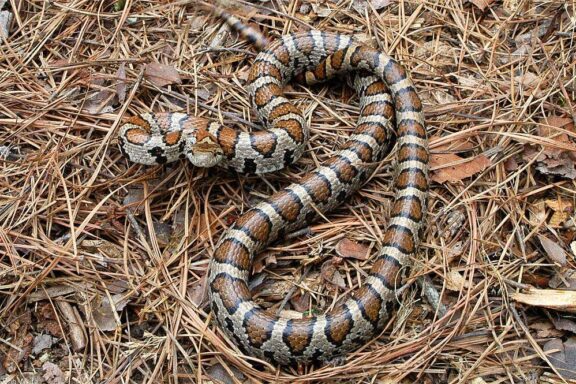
103,263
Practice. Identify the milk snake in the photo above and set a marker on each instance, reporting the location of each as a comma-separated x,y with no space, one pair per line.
386,96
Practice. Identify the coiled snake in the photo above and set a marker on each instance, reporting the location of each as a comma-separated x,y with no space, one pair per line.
311,57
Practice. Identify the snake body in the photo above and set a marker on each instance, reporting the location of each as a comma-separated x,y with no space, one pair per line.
386,94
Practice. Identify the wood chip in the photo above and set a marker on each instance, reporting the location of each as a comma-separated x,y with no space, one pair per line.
51,292
548,298
74,323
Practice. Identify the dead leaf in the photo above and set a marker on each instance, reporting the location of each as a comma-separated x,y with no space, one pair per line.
510,164
564,280
162,233
243,73
198,293
527,80
203,93
561,205
347,248
269,259
511,6
453,252
379,4
521,52
555,252
561,166
5,20
331,274
451,168
47,320
455,281
562,210
221,375
451,145
537,213
321,10
115,285
100,102
552,159
361,6
556,299
564,324
15,356
545,329
387,380
104,248
301,303
454,221
257,281
564,360
313,281
104,315
468,81
436,56
42,342
52,373
161,74
20,323
134,200
443,97
482,4
207,225
552,125
121,83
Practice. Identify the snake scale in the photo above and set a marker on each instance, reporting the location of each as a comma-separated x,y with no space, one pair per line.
386,96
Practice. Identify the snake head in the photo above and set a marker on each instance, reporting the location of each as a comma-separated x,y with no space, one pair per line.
204,151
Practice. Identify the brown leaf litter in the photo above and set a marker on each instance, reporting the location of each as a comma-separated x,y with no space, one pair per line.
557,155
103,263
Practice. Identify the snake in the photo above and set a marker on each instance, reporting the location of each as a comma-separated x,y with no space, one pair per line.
389,109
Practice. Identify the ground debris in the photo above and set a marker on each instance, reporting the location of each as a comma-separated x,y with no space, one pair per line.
103,263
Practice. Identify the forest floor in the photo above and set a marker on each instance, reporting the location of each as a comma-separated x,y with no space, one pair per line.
103,262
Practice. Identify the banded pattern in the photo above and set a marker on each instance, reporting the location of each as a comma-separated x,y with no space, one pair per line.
250,34
386,94
317,56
